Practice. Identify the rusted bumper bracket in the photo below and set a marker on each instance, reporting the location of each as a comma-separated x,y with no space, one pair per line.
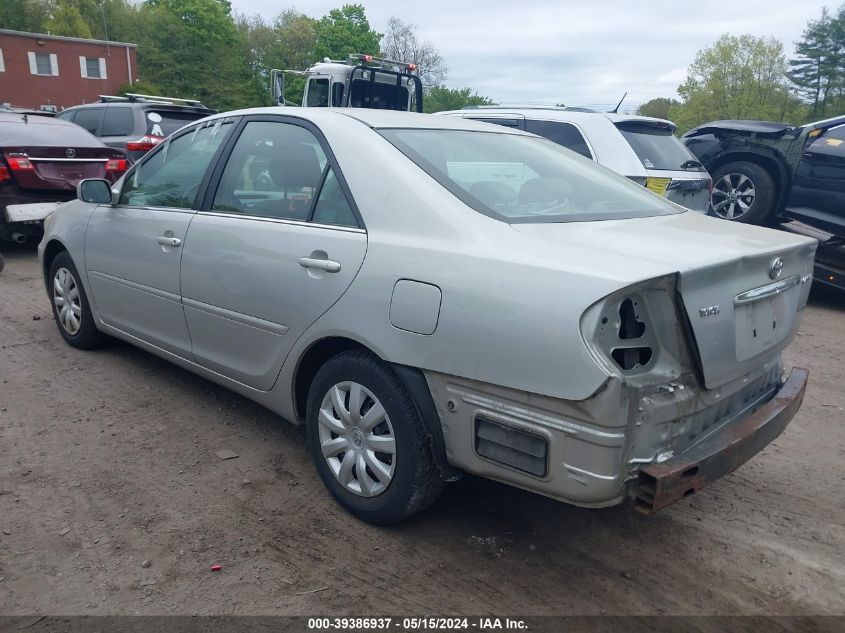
659,485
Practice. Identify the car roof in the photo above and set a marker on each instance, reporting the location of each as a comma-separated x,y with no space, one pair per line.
548,113
373,118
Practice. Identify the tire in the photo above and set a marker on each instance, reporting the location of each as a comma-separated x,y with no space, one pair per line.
409,480
731,180
76,324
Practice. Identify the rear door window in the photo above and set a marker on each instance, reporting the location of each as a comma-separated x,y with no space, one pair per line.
274,171
564,134
118,121
657,147
89,118
171,175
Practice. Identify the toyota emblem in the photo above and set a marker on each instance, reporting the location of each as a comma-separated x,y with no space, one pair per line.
775,268
70,152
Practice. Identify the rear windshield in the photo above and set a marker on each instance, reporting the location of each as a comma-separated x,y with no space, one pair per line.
657,147
518,179
38,131
164,123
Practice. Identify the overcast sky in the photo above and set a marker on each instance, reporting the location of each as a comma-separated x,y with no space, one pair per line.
573,52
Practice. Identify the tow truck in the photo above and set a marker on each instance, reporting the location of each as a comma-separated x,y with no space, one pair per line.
361,81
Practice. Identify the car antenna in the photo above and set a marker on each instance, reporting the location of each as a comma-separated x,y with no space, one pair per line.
616,109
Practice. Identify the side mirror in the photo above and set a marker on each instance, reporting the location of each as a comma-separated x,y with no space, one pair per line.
95,191
277,86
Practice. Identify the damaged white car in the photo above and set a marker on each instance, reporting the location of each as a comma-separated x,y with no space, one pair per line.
431,296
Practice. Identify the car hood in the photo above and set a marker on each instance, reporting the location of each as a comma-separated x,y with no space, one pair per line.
716,262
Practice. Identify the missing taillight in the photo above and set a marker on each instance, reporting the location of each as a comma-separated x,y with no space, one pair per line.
629,358
629,324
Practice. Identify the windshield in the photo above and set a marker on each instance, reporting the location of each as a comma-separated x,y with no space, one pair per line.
517,179
657,147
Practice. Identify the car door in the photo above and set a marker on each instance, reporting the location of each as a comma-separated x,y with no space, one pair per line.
818,190
133,249
276,243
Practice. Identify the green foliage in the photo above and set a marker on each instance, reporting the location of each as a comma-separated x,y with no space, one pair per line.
657,108
344,31
66,19
439,98
25,15
739,77
819,65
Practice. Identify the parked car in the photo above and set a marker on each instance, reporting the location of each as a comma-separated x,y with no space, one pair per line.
766,172
433,295
135,123
41,161
644,149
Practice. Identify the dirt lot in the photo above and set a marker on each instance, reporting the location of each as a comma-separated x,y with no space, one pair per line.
112,500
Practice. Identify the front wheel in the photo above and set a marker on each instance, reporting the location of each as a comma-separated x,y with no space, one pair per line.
367,440
743,192
70,305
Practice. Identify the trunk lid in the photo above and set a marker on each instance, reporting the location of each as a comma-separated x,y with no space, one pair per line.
740,316
59,167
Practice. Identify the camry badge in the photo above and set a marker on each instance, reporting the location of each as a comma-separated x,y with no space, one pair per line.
70,152
775,268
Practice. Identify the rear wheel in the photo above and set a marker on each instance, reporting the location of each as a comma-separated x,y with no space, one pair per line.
70,305
367,440
743,192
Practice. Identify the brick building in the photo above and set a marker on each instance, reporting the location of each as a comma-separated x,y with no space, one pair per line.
52,72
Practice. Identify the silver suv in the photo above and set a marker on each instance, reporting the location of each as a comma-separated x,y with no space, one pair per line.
642,148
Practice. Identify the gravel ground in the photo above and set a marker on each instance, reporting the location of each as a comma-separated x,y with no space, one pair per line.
112,500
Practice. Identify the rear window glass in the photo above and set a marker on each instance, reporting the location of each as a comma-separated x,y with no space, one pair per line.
518,179
382,94
44,133
657,147
564,134
117,121
164,123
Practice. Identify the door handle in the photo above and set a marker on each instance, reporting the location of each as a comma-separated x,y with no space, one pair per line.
329,265
169,241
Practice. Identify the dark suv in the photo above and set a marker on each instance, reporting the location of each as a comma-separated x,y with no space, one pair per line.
135,123
774,173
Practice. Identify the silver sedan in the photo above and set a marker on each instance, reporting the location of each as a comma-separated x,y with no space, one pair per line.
432,296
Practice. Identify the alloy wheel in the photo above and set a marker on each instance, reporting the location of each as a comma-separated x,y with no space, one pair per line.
67,300
732,196
357,439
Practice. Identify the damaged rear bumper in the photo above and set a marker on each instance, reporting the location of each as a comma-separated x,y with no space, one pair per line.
661,484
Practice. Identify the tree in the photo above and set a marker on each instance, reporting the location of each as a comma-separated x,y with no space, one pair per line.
25,15
66,19
400,43
192,48
439,98
739,77
657,108
344,31
817,69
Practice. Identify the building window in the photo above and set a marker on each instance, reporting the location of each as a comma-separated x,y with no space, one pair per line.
92,67
44,64
2,65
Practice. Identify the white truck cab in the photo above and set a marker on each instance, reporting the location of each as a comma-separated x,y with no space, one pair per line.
362,81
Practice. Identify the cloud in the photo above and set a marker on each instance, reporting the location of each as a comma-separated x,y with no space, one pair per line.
575,52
